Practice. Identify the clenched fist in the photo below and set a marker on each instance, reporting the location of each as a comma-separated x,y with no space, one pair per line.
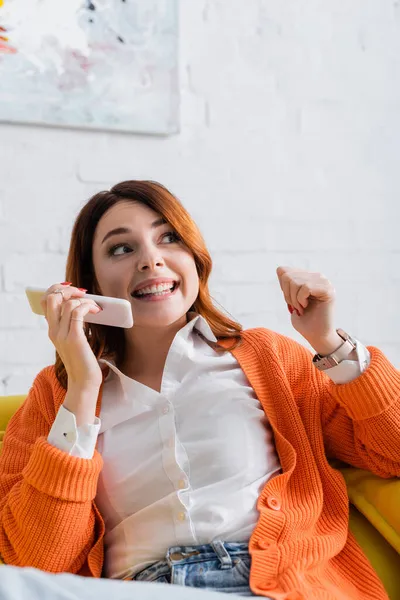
311,301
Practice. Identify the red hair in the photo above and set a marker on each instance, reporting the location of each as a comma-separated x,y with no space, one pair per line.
110,341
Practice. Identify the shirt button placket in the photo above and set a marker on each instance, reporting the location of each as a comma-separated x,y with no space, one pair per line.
168,433
171,464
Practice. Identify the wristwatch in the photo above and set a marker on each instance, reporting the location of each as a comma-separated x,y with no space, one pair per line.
347,351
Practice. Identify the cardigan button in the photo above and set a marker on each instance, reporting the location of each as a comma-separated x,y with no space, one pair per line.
263,544
273,503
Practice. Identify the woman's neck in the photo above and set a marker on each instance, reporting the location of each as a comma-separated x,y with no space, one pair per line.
146,350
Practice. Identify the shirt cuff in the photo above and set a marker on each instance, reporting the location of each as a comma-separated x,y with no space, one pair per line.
348,370
76,441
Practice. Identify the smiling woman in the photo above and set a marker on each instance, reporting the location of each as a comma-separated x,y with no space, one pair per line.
139,234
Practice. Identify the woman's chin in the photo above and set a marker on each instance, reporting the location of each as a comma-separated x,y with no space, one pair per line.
159,319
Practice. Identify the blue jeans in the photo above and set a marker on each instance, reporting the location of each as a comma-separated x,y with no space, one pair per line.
219,566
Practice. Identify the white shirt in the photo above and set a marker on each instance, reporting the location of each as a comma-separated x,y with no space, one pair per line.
184,466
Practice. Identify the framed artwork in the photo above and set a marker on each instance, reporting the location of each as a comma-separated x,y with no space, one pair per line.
97,64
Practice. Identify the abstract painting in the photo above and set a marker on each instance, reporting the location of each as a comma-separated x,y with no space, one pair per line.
99,64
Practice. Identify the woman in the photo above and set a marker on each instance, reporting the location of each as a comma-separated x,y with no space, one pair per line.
191,451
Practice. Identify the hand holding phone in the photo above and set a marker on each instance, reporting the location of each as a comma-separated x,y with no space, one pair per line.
116,312
66,308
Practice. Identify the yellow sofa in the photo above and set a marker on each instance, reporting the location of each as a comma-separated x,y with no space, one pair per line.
374,511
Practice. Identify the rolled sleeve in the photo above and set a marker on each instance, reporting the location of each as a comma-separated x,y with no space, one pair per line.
75,441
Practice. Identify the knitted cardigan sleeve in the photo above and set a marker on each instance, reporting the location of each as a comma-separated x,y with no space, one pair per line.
48,518
360,419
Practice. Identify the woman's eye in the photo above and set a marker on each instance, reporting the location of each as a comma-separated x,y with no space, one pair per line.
112,251
119,249
172,235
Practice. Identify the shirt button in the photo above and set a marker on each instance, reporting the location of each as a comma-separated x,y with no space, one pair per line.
181,484
181,516
273,503
165,410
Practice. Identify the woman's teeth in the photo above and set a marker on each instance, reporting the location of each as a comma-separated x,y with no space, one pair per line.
157,290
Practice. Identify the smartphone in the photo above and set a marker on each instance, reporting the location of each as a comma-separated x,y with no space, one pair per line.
116,312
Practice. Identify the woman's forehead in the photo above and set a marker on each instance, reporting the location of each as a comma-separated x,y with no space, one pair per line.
125,214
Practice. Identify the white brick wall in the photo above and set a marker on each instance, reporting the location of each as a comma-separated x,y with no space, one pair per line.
288,154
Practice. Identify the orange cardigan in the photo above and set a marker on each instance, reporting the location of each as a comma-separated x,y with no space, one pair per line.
301,547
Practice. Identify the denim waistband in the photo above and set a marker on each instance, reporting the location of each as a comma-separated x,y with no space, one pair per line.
224,551
191,554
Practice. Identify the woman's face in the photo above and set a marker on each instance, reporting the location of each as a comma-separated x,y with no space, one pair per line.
148,252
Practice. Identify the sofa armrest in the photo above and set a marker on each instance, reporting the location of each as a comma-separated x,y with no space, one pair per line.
377,499
8,406
382,556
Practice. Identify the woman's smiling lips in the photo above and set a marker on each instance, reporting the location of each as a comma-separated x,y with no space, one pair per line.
155,289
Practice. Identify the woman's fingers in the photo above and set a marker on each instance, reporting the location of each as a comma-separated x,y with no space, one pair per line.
298,286
53,301
289,289
303,294
284,282
294,288
73,313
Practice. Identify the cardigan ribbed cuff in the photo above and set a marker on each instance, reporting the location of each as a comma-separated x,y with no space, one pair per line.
373,392
55,473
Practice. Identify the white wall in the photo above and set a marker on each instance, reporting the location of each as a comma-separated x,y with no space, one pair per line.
288,154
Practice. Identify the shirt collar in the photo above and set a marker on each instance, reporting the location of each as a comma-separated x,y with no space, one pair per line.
201,325
195,322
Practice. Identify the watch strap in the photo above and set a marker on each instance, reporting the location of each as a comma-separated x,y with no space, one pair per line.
346,351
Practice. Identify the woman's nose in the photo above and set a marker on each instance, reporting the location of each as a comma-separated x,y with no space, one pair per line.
150,260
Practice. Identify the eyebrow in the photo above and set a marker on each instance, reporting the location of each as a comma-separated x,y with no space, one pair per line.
119,230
